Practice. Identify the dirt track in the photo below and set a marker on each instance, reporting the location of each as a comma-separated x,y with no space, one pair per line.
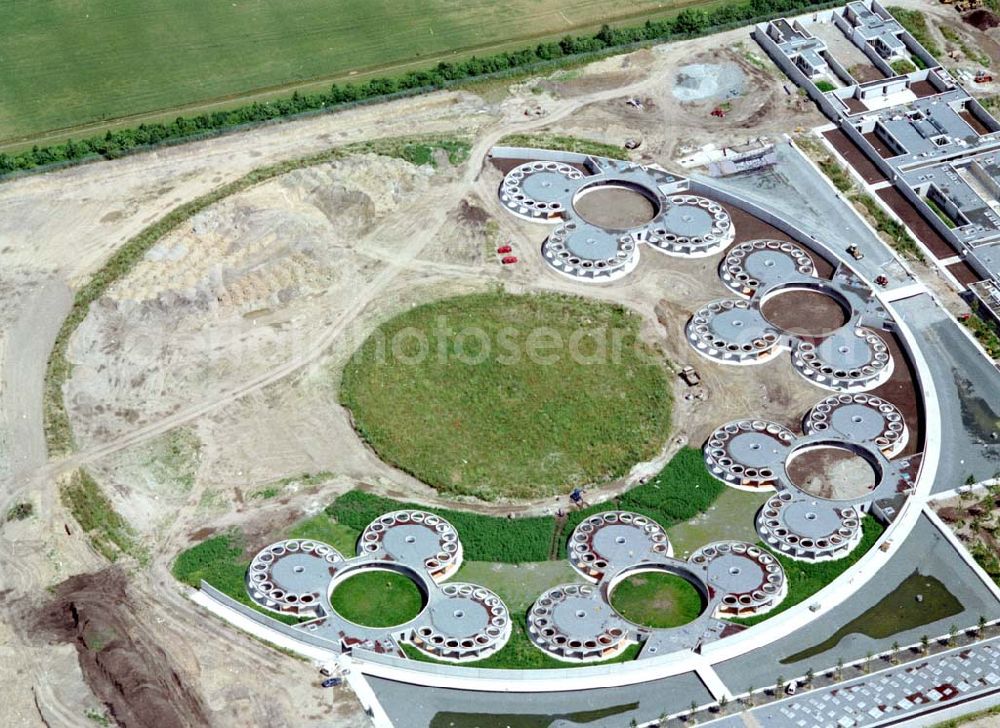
261,409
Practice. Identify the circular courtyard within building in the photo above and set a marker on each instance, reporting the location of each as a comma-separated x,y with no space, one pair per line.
832,472
377,598
615,206
657,599
804,312
498,395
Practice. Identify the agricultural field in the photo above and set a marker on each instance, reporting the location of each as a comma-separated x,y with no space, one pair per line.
498,396
67,65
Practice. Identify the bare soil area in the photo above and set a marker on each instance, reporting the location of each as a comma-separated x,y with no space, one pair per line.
805,312
834,473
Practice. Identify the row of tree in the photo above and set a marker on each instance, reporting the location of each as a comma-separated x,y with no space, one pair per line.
688,23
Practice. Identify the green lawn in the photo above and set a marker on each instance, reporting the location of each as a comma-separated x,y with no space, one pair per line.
71,63
657,599
499,395
377,599
896,612
323,529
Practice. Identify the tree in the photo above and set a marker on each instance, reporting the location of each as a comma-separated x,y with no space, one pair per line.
925,644
981,626
810,676
895,653
868,662
840,669
952,633
750,695
779,685
723,702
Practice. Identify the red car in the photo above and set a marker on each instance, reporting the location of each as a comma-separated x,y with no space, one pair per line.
504,249
508,259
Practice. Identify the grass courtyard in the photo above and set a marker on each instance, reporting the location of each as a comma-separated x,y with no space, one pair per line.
377,599
497,395
657,599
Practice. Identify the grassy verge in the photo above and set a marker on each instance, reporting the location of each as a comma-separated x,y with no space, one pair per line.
896,612
970,52
939,212
805,579
985,333
679,492
58,432
825,86
892,231
219,561
497,395
915,22
565,143
108,532
484,538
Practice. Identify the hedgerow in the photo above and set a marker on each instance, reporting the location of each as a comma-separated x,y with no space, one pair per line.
682,490
689,23
484,538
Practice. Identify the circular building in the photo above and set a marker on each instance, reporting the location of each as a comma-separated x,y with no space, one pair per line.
860,418
466,622
291,576
749,579
748,454
606,542
690,226
849,360
414,537
574,623
807,529
754,264
535,190
581,252
732,332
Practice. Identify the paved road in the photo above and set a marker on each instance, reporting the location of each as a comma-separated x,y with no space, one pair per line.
926,552
890,697
409,706
968,394
807,198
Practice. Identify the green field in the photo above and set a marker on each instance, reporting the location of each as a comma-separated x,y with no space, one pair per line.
497,395
377,598
657,599
66,64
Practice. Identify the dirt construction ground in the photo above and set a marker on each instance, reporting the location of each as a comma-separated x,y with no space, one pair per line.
204,383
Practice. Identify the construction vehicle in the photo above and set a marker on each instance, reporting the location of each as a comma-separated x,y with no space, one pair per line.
855,252
690,376
719,111
983,76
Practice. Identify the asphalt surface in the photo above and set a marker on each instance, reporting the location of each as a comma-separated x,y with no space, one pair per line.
927,552
410,706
